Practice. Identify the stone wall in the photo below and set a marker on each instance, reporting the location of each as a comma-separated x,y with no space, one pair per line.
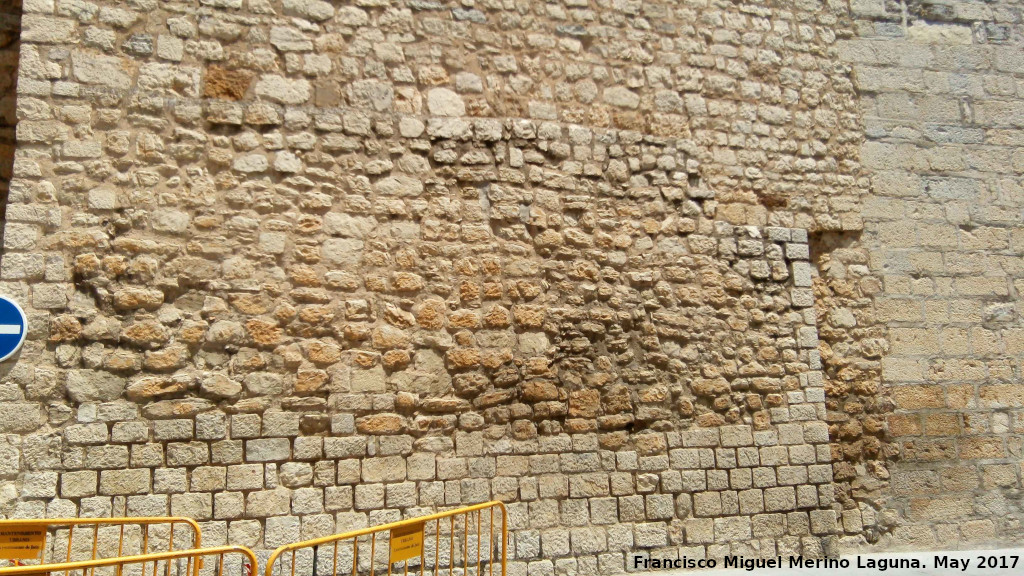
700,277
10,47
296,267
940,86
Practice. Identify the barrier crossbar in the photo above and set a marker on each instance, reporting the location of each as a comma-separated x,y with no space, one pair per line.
460,542
63,540
227,561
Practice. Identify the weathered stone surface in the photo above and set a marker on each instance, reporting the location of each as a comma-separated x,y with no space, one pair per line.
170,358
65,328
251,163
268,450
106,71
386,337
263,333
150,387
372,94
94,385
289,39
133,298
400,185
183,408
146,333
622,97
227,84
444,102
338,224
411,127
225,332
20,417
47,30
220,386
345,253
124,482
262,384
315,10
287,162
380,424
280,89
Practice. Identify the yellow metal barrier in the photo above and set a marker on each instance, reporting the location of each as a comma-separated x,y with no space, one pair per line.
432,544
227,561
52,540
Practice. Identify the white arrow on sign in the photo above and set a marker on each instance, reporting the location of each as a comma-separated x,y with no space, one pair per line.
10,329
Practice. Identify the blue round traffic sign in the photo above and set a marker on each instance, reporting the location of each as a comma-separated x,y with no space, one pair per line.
13,327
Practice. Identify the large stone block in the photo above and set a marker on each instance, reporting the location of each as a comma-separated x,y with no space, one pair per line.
92,385
124,482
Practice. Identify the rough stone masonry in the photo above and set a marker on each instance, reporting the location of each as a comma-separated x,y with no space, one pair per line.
696,277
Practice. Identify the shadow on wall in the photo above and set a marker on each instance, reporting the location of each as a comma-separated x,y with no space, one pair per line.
10,35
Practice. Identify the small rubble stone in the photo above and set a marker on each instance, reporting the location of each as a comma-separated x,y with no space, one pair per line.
444,102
